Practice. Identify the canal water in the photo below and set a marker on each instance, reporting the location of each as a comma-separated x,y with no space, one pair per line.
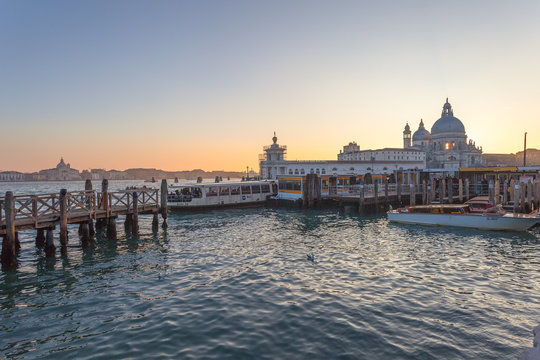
237,284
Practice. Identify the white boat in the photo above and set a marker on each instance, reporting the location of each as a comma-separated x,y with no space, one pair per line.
219,195
461,216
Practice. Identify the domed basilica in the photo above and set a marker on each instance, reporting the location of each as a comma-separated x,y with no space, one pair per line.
446,146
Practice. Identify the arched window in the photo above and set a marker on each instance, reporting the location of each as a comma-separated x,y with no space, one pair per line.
453,144
317,171
290,171
447,146
323,171
302,171
311,171
295,171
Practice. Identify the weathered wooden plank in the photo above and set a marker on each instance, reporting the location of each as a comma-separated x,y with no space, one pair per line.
164,193
9,252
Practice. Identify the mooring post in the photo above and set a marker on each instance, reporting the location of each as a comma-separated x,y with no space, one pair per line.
522,189
89,204
512,190
516,197
460,190
135,225
9,250
49,249
164,192
467,189
412,195
441,191
63,221
40,238
497,191
428,193
537,191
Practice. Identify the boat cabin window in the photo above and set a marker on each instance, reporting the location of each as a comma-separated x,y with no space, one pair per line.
235,190
265,188
246,190
211,191
256,189
223,190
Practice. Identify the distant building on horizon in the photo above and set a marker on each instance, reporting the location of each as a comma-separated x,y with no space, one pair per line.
62,172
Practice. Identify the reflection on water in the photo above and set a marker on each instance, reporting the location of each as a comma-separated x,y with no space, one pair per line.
237,284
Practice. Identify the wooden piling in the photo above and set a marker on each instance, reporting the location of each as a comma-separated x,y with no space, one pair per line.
491,192
497,190
460,190
89,203
9,252
135,226
441,191
412,195
386,194
444,192
155,222
522,190
111,228
512,190
505,192
361,202
424,192
529,194
433,191
49,249
467,190
63,221
376,196
398,189
128,223
40,238
450,191
164,193
85,234
516,198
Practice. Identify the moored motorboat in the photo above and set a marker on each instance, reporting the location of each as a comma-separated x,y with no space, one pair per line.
462,216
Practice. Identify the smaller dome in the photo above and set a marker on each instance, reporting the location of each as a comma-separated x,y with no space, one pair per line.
421,134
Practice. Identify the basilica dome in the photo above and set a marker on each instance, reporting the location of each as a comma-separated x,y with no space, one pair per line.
447,122
421,134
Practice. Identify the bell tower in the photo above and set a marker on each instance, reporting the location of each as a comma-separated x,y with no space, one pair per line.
407,137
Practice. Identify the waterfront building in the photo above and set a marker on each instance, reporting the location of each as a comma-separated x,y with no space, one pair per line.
446,146
351,161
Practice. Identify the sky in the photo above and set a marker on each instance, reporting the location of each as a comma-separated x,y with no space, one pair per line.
181,85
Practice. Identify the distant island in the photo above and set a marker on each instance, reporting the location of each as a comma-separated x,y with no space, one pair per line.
64,172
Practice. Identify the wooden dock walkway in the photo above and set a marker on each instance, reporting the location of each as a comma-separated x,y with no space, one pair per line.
44,212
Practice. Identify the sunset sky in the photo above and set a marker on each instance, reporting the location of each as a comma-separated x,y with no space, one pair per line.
179,85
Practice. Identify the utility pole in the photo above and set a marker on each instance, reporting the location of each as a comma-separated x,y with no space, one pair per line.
525,150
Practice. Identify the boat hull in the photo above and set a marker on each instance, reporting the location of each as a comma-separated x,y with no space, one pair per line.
184,208
508,222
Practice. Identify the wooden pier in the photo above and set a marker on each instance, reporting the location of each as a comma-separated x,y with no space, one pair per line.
45,212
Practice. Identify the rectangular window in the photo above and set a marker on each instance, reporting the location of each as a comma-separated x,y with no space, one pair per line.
235,190
211,191
246,190
223,190
265,188
256,189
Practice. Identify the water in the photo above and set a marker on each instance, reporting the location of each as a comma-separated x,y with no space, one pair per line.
237,284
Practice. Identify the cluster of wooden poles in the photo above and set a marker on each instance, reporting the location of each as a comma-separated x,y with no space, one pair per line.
105,220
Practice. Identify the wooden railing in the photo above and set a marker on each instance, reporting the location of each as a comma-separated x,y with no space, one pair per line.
46,207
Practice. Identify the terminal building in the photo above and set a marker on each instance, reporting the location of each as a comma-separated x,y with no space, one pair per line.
351,161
